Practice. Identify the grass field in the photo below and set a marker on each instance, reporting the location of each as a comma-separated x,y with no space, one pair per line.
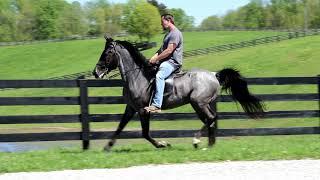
226,149
42,61
297,57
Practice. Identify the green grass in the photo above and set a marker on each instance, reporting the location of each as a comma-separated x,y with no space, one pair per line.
42,61
298,57
248,148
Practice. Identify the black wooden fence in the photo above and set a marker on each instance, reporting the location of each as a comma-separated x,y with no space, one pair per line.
85,117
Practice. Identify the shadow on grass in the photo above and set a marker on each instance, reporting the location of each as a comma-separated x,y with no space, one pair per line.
151,149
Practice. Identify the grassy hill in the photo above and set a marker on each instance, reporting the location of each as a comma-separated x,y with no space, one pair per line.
297,57
42,61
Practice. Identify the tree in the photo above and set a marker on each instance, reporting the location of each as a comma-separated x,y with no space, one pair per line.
160,6
7,20
114,19
182,20
25,21
141,19
312,13
72,21
97,13
211,23
253,15
47,14
232,20
284,14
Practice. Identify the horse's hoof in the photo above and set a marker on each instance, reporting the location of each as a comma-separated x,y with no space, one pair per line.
196,142
163,144
107,148
195,146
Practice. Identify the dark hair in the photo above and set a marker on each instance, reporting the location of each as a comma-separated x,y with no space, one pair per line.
168,17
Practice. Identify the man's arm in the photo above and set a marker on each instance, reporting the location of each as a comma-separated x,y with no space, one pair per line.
157,57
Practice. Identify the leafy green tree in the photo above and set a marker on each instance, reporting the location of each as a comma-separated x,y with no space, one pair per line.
114,19
312,13
25,20
182,20
253,15
211,23
96,14
160,6
141,19
232,20
71,21
7,20
284,14
47,13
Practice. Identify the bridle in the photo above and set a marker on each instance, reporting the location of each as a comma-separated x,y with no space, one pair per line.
108,57
111,51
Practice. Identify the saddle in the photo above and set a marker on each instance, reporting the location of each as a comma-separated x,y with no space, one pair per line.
169,82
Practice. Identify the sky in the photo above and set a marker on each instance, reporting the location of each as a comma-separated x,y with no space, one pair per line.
199,9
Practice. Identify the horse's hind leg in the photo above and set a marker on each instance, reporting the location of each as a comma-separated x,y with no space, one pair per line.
212,123
209,112
196,139
127,116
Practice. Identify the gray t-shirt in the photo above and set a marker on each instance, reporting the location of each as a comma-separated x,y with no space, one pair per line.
174,36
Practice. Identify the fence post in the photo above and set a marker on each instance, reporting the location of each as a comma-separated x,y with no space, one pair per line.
319,98
84,107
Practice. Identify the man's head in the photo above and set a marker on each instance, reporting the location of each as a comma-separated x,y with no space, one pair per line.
167,20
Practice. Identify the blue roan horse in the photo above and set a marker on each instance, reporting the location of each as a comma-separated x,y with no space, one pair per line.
200,88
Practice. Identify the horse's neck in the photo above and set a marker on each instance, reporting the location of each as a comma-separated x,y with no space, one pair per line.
131,73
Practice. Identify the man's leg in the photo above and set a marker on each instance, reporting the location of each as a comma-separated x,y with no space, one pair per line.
165,71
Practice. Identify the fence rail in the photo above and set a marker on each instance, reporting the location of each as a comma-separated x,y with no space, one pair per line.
47,40
83,100
254,42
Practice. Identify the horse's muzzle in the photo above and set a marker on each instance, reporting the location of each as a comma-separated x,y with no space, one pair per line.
95,74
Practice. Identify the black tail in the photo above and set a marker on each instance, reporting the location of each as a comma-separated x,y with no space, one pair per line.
234,84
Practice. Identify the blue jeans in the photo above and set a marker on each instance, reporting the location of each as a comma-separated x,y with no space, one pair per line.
165,70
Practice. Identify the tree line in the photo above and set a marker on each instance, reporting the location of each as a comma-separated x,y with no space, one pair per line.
270,14
22,20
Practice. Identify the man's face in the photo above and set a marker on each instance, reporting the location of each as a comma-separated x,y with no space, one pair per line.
164,23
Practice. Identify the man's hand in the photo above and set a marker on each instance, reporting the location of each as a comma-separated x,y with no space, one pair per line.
153,60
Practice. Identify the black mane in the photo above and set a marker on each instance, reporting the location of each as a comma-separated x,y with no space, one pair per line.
139,58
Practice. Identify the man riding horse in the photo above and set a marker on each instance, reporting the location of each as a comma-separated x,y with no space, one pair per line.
170,56
197,87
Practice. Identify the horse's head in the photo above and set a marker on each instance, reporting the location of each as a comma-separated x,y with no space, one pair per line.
108,60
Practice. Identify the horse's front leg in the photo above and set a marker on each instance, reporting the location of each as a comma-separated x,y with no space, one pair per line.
127,116
145,124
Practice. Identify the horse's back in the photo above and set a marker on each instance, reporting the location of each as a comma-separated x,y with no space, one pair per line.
179,90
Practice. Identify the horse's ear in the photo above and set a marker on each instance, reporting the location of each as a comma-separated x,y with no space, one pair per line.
108,38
